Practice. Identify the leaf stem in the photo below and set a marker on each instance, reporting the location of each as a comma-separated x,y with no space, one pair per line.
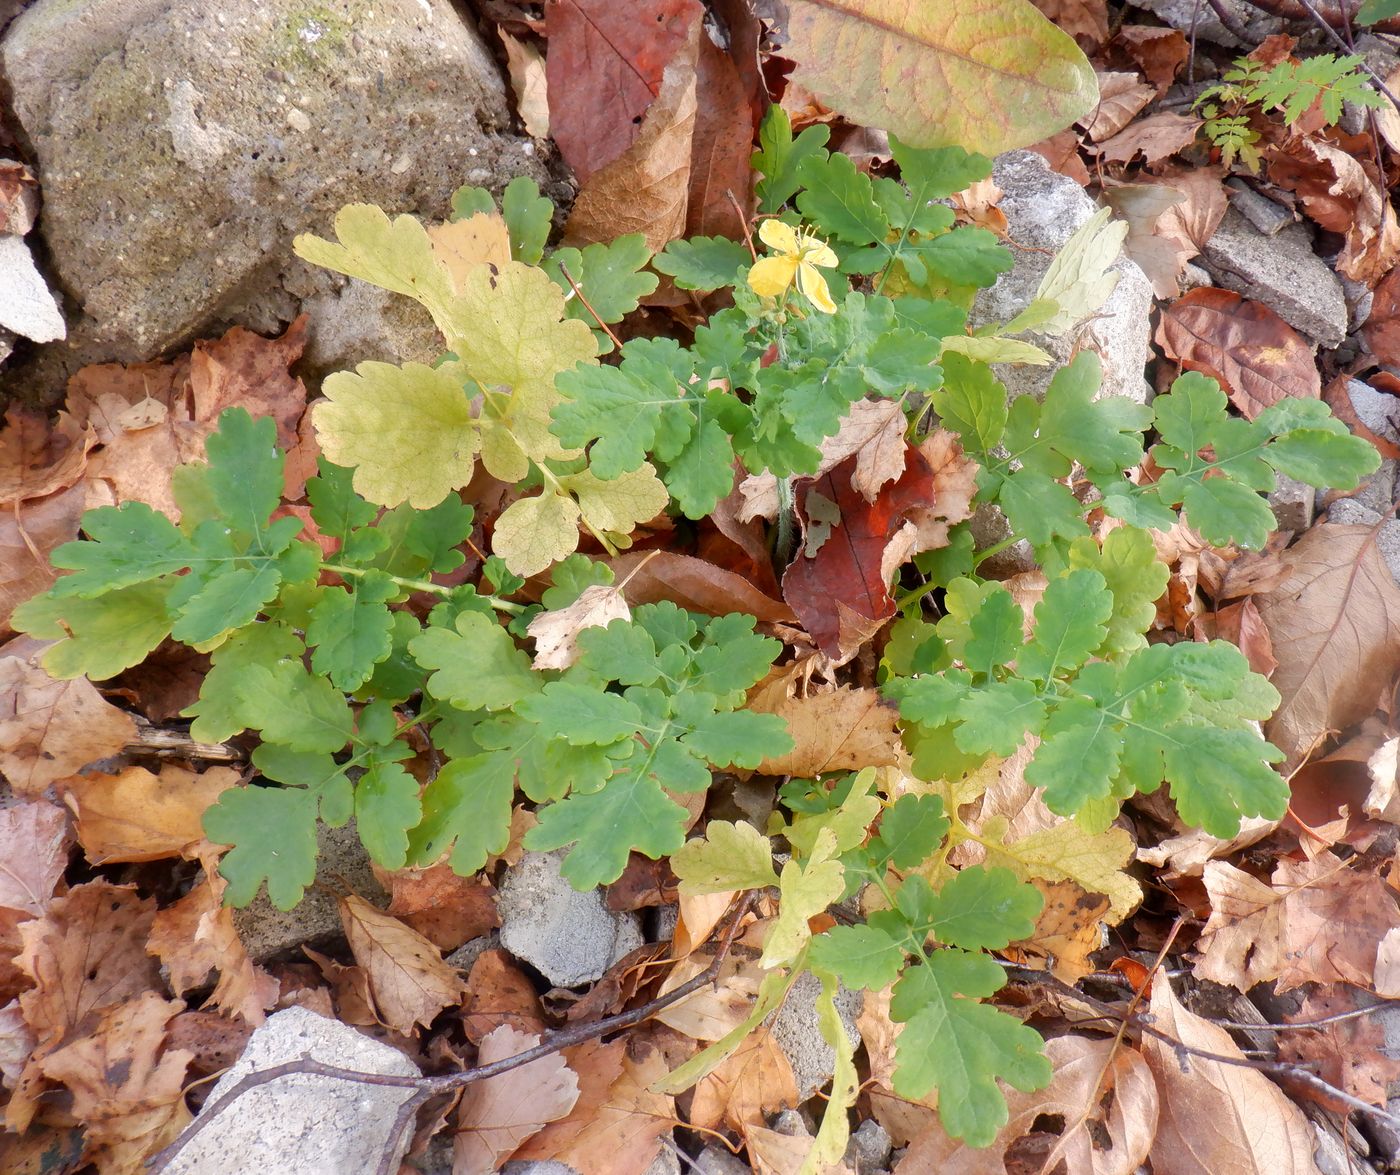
422,585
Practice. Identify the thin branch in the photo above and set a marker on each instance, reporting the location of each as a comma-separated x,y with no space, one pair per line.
587,305
1229,20
428,1087
743,222
1337,1018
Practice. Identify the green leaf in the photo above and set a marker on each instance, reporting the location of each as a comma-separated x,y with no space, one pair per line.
984,908
1077,760
225,706
910,830
703,263
739,739
839,199
606,827
995,633
728,857
861,956
939,172
805,890
581,714
273,834
97,638
1069,624
126,545
952,1044
608,275
1217,776
963,257
292,707
1375,11
336,508
528,217
466,808
316,771
245,470
995,717
971,402
779,156
350,630
386,807
476,667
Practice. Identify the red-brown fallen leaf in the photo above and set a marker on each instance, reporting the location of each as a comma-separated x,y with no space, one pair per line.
1155,137
1347,1054
196,935
1317,922
1121,97
137,816
19,198
407,977
753,1082
29,532
1335,624
444,907
1102,1091
37,459
499,992
1241,625
1382,329
1084,20
693,584
1257,358
349,991
646,188
1336,397
720,200
838,582
52,729
643,883
1061,152
841,729
604,69
496,1115
1217,1117
1159,52
1180,230
127,1086
215,1042
34,842
1069,928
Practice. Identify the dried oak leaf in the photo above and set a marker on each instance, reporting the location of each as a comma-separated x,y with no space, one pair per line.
1084,20
1069,928
1155,137
38,458
407,977
1102,1091
842,729
1256,357
1158,52
1335,624
34,842
496,1115
1217,1117
1121,97
498,992
50,729
135,815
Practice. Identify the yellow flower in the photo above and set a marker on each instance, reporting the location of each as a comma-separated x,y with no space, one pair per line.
797,255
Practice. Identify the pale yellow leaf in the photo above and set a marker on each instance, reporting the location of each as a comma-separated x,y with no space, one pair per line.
461,245
1078,279
997,349
556,633
728,857
618,505
806,890
534,532
527,79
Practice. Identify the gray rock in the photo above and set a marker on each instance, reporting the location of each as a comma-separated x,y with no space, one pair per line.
1293,503
309,1124
466,955
1359,298
341,864
667,1161
537,1167
27,307
571,938
1329,1154
791,1123
717,1160
1347,512
794,1028
1283,272
1187,15
1378,411
869,1148
181,148
1043,208
1269,218
1377,492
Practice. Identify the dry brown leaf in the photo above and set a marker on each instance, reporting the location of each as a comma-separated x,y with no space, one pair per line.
1347,1054
1142,206
697,918
1317,922
645,189
407,977
137,816
196,935
1069,928
29,533
442,905
693,584
496,1115
1084,20
525,64
1335,624
460,246
34,842
1061,152
717,1008
556,633
1154,137
754,1081
1383,800
775,1153
840,729
52,729
1158,52
349,997
1186,855
37,458
498,992
1217,1117
1103,1092
1121,97
127,1086
1241,625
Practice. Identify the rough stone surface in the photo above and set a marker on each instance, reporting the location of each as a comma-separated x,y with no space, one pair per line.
466,955
1188,14
303,1123
1378,411
1269,218
1377,492
1293,503
869,1148
26,305
794,1027
1347,512
1043,208
571,938
716,1160
342,864
1283,272
181,148
537,1167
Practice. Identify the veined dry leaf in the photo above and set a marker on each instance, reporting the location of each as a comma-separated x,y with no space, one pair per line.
1335,623
528,80
1142,205
1084,20
51,729
29,532
1382,329
718,1008
1158,52
444,907
461,245
137,816
1257,358
1104,1093
1155,137
1061,152
730,100
349,997
775,1153
498,992
34,843
127,1086
754,1081
496,1115
1347,1054
842,729
556,633
932,80
1069,928
1318,922
1216,1117
1121,97
1186,855
646,188
1383,801
410,982
38,459
648,577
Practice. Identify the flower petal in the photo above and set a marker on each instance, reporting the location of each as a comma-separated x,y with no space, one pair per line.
819,253
813,286
772,275
777,235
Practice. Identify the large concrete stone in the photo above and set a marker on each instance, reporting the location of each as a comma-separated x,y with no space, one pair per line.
308,1124
571,938
1043,208
1283,272
797,1033
182,146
